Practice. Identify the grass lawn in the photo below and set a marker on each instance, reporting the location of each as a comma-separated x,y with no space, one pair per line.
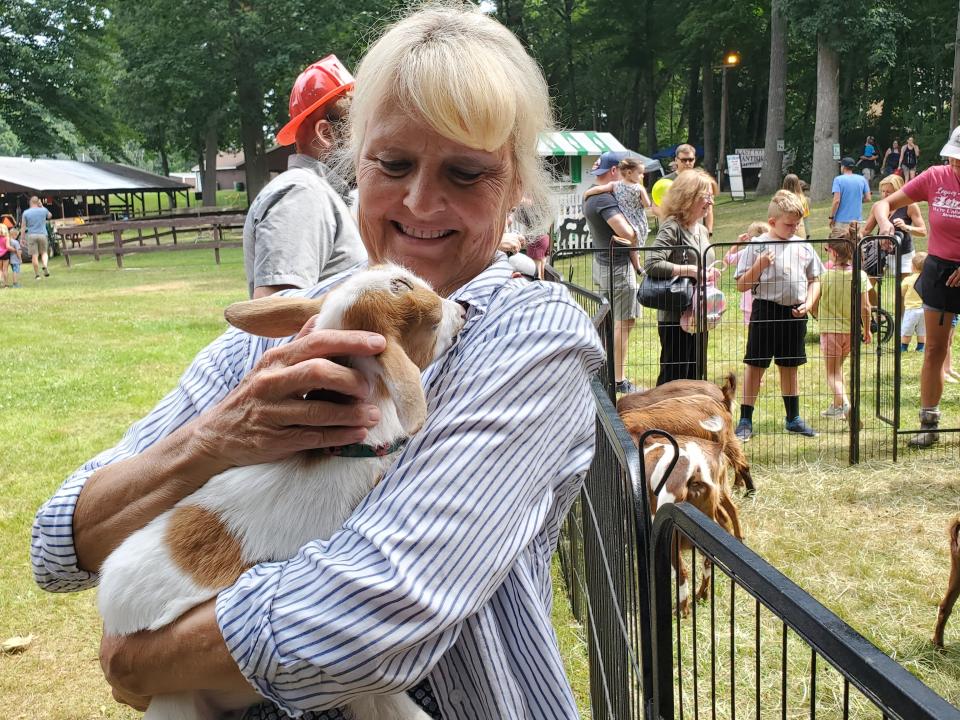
91,349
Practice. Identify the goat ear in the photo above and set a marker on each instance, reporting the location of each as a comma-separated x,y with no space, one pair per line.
402,378
272,316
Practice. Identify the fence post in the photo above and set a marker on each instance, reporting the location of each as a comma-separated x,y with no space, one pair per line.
856,345
216,240
118,246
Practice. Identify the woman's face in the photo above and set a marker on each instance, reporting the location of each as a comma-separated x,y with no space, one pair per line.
886,191
700,204
429,203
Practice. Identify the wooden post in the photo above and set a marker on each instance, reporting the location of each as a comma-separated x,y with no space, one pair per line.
118,246
173,231
96,248
217,236
140,235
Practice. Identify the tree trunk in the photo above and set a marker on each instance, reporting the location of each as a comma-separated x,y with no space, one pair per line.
250,100
955,95
210,164
709,112
162,147
776,101
694,103
650,107
827,123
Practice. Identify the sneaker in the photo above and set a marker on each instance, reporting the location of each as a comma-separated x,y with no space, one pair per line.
798,426
625,386
16,285
46,273
744,430
36,277
833,411
949,378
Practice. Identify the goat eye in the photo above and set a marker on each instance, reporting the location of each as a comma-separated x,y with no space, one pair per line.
398,285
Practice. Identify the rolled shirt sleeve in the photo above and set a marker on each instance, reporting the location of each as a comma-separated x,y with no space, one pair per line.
477,496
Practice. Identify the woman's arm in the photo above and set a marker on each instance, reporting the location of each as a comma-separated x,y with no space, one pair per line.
597,189
917,227
658,263
881,210
197,431
377,605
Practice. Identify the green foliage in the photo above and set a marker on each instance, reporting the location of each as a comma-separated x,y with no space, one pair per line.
57,66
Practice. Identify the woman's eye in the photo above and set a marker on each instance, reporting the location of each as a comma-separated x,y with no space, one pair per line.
393,167
465,176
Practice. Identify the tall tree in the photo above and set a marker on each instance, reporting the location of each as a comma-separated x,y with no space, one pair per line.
827,125
776,100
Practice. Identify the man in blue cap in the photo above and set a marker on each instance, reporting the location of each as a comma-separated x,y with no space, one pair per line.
605,220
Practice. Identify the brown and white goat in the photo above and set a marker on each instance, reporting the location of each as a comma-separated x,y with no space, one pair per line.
953,584
248,515
699,478
690,407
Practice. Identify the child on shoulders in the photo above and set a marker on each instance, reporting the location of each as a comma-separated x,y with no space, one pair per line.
631,197
783,272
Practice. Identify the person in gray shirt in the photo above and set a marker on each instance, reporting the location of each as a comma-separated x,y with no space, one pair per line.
298,229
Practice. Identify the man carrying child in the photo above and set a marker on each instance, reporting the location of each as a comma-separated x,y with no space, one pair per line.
783,273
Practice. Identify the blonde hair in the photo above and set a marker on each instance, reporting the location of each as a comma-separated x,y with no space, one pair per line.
469,79
683,193
756,229
783,203
4,230
916,262
792,183
630,164
894,182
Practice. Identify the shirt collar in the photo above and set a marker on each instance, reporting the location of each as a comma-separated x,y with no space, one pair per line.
298,160
479,292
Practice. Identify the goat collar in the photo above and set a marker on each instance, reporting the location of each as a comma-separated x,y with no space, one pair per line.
360,450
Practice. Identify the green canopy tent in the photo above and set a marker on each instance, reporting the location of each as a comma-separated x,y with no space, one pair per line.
581,148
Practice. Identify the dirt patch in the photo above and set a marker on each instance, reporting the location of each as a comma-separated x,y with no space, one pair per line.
158,287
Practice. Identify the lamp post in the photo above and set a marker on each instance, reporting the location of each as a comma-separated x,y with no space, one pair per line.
730,60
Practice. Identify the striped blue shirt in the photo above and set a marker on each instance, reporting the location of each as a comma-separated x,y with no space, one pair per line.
443,571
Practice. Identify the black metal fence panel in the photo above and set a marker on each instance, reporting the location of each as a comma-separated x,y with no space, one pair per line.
759,646
606,572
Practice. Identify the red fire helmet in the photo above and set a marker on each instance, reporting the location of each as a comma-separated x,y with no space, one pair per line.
316,86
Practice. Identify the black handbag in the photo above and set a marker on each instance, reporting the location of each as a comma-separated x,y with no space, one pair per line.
674,294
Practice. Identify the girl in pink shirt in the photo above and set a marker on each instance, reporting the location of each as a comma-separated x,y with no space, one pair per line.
939,281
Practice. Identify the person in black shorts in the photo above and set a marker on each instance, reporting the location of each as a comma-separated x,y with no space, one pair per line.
783,272
908,159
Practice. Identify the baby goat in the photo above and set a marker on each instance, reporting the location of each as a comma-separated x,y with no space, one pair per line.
699,478
267,512
690,407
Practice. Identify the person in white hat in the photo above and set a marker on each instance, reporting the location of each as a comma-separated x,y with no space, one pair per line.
298,229
939,282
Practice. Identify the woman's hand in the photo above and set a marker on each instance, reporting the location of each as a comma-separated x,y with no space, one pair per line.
799,311
899,224
266,417
954,279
